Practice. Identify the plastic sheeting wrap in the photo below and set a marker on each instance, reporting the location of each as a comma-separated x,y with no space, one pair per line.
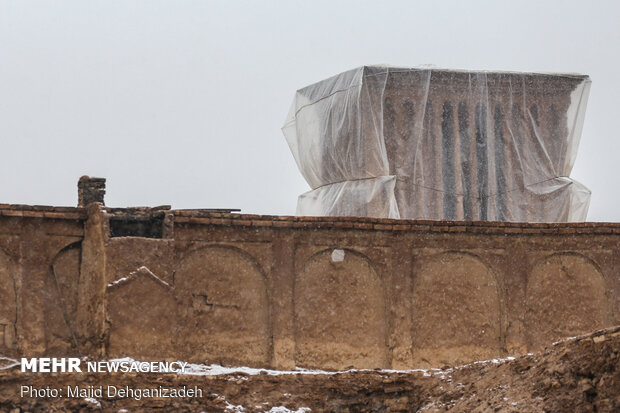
438,144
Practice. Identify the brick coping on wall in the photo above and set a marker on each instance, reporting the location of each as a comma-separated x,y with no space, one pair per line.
42,211
209,217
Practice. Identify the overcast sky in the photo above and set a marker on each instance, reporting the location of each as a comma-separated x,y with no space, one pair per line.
181,102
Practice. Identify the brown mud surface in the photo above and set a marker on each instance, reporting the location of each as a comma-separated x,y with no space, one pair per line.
575,375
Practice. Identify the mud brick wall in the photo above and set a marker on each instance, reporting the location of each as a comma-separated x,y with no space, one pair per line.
238,289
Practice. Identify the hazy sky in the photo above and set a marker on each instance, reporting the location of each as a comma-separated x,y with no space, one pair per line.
181,102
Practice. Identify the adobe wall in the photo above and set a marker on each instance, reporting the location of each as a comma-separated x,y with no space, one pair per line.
281,292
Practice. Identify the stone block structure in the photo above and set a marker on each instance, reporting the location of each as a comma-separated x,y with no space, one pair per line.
276,291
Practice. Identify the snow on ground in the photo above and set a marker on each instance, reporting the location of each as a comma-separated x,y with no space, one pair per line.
218,370
7,363
93,401
237,408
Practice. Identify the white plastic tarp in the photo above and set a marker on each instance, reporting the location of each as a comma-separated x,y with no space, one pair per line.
438,144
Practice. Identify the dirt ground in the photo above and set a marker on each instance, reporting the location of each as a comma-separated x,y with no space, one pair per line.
576,375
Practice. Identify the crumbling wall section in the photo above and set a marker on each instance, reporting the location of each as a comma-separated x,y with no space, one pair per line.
39,265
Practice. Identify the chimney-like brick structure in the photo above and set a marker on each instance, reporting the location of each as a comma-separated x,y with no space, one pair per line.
90,190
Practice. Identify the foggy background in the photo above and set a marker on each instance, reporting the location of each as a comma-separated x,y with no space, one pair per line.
181,102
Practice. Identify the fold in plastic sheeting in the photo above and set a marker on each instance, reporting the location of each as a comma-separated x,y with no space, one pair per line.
372,197
440,144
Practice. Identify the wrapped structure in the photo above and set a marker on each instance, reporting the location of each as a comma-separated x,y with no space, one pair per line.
437,144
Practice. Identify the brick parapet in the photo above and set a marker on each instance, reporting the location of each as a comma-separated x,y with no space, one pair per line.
207,217
383,224
42,211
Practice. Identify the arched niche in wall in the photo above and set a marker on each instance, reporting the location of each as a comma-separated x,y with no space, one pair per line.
61,298
456,311
224,308
566,295
8,303
340,312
